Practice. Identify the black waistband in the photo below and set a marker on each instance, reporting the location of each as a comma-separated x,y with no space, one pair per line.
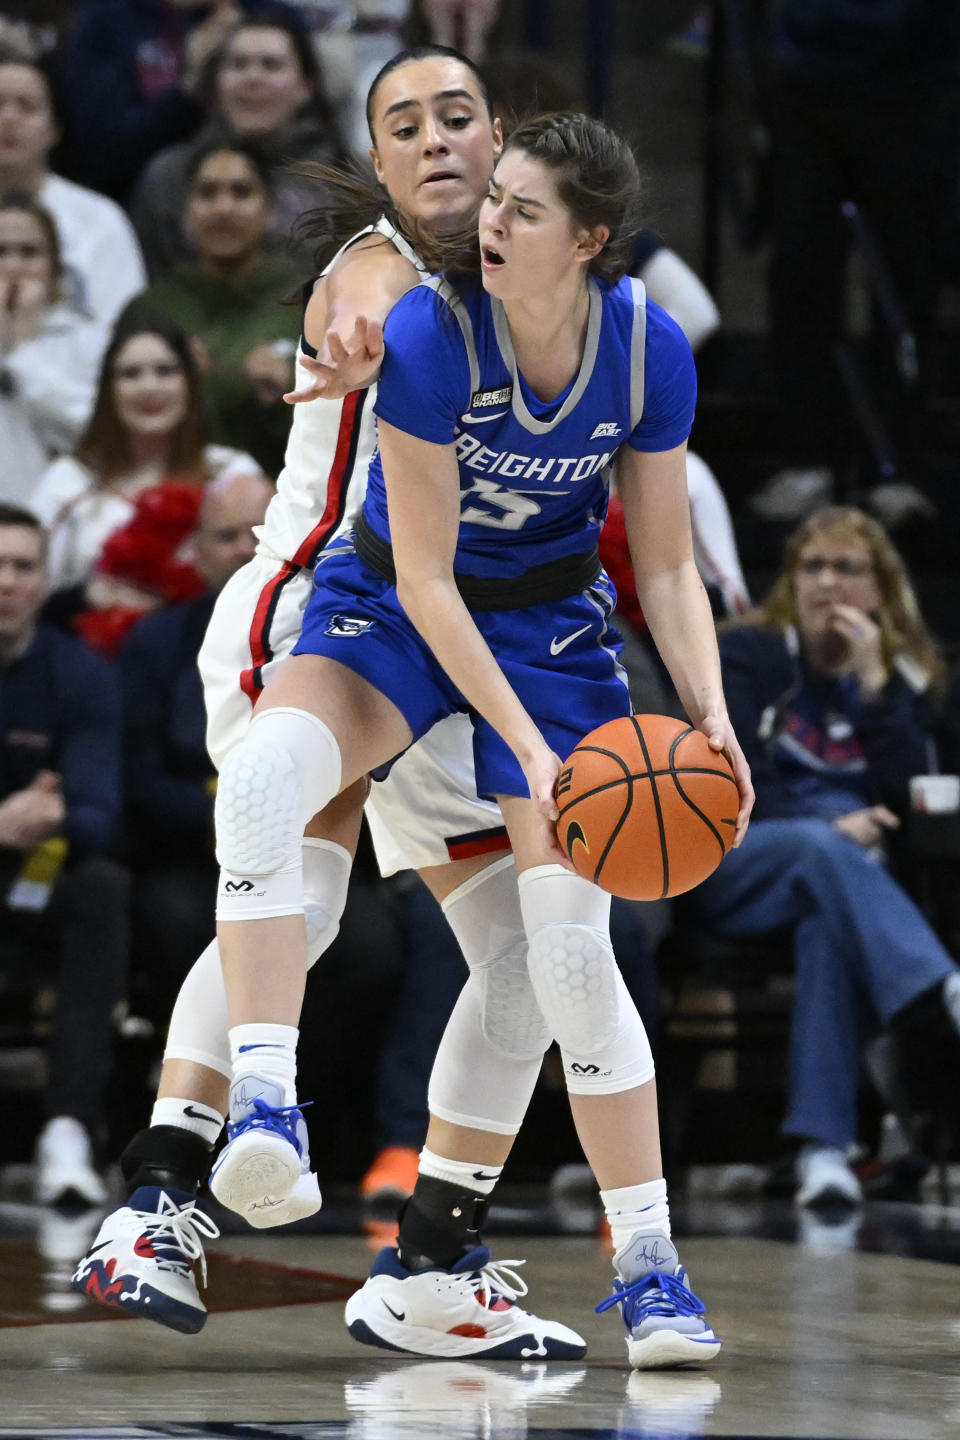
556,580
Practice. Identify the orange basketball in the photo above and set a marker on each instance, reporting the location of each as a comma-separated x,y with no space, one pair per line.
647,809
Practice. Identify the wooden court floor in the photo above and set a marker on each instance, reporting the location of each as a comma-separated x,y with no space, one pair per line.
820,1341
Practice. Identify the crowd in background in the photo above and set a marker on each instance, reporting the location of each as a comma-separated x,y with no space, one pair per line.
150,272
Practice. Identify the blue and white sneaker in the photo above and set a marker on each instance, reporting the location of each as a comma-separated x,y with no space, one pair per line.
263,1172
464,1313
664,1319
142,1260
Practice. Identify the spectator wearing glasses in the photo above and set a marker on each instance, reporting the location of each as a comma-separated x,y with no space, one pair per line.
828,682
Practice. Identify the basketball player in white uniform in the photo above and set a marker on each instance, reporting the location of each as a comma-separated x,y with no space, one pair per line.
425,815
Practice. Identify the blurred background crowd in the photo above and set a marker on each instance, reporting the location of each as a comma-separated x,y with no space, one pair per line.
803,159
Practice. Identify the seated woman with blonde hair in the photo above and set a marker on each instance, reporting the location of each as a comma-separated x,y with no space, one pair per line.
828,683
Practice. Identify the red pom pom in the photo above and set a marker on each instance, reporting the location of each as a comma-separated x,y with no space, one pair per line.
143,552
106,629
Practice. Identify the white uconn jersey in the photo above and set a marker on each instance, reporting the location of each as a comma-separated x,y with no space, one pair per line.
321,486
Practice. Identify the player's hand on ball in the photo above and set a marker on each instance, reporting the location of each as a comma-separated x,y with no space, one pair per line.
541,772
719,733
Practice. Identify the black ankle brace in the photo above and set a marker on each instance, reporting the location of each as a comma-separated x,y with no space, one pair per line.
439,1224
167,1156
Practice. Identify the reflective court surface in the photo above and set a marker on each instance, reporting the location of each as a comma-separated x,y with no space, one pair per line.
823,1338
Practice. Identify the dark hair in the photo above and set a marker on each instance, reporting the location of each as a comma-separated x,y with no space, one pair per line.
16,515
522,85
300,43
597,180
423,52
22,200
236,145
104,446
26,59
352,200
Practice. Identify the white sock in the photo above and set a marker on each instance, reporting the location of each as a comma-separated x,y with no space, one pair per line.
471,1174
637,1209
269,1051
191,1115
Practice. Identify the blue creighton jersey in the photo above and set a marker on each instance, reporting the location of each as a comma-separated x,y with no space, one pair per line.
533,475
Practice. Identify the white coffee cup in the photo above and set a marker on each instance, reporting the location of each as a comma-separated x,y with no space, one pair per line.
935,794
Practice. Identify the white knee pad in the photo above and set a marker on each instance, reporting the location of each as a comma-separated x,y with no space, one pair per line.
484,915
326,877
603,1043
286,768
489,1058
572,969
627,1061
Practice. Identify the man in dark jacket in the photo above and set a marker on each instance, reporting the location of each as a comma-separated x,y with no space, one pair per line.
62,895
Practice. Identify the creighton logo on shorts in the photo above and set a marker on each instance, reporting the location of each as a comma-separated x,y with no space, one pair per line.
347,625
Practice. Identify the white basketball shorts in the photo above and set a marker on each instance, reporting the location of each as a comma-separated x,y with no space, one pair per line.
426,811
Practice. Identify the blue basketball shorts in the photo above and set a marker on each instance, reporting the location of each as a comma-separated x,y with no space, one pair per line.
561,658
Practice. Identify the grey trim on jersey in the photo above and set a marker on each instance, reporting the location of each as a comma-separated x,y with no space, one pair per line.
502,331
638,351
459,311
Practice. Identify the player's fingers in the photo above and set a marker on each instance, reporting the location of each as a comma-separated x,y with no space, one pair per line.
339,352
551,844
374,339
309,392
741,773
311,363
885,817
715,730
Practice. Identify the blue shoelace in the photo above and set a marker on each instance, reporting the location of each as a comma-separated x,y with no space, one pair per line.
280,1119
654,1294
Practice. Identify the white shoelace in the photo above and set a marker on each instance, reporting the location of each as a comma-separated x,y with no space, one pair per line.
183,1225
497,1277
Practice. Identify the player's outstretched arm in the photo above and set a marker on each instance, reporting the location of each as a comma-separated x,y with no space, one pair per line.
653,489
344,320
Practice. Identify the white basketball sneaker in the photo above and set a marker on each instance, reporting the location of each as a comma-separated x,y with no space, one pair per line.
467,1312
142,1260
664,1319
263,1172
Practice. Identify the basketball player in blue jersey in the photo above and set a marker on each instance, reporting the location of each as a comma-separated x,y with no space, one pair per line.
470,585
